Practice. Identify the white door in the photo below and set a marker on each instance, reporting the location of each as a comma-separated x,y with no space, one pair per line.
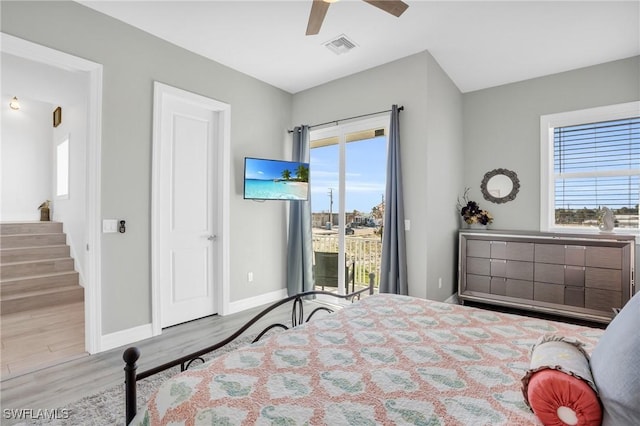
187,203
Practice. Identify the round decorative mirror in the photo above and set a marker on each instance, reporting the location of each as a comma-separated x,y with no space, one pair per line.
500,186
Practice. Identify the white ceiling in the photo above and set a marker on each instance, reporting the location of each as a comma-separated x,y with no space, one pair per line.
478,43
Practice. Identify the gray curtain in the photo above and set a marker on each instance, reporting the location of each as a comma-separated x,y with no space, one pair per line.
300,245
393,277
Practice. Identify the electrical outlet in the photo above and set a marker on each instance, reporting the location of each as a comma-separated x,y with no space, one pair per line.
440,282
250,277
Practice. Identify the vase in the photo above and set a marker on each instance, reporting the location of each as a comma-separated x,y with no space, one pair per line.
477,226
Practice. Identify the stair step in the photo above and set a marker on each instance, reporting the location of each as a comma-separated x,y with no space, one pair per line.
17,228
23,254
37,267
38,282
32,240
40,299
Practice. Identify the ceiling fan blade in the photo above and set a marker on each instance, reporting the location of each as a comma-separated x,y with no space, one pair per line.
394,7
318,11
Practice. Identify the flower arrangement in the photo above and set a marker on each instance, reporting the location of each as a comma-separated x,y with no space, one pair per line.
471,212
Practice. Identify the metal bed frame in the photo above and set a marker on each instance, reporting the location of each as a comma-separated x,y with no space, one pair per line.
132,354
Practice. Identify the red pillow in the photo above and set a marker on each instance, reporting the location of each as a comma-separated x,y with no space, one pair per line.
560,399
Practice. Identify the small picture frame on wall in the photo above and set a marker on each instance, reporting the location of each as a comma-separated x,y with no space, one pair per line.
57,117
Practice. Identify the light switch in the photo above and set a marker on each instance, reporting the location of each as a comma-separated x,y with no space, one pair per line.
407,224
109,225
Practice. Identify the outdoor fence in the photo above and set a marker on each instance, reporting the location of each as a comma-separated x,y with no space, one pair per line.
365,252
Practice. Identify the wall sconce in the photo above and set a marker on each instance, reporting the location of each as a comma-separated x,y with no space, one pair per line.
14,104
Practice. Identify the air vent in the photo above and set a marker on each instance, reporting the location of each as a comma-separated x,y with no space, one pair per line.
340,45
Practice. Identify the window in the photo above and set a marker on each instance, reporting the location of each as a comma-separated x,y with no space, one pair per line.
62,169
590,159
347,178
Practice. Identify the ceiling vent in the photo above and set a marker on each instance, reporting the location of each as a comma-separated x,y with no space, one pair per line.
340,45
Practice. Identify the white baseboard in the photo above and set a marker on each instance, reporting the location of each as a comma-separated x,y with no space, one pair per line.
135,334
255,301
125,337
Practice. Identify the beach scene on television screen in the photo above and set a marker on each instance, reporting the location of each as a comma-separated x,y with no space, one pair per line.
276,180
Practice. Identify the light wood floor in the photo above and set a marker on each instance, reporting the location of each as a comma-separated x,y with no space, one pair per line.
69,381
36,339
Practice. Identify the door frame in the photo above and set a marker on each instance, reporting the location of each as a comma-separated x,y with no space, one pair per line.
221,277
93,272
340,131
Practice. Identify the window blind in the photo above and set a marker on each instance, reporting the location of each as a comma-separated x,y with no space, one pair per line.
597,165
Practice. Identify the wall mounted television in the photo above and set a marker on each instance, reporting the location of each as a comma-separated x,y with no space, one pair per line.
266,179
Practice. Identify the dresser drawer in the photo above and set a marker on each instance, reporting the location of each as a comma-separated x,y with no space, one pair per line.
574,275
574,296
479,248
479,283
498,268
478,266
520,270
520,289
552,293
512,251
548,273
574,255
549,253
606,279
602,300
604,257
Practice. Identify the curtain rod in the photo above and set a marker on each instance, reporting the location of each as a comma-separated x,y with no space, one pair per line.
401,108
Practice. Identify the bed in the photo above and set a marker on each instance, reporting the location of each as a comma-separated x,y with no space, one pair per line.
385,359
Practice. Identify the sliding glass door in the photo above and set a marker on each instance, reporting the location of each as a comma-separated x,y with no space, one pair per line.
347,178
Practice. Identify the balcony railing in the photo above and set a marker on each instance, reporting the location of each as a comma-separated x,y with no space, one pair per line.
366,252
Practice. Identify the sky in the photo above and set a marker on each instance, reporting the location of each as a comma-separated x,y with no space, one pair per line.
256,168
365,175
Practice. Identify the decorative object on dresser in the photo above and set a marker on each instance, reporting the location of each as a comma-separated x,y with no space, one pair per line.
575,275
606,220
472,215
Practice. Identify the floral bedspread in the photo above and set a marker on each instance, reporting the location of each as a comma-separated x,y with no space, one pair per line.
383,360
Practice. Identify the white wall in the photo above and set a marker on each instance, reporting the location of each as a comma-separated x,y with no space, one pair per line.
71,211
50,86
26,158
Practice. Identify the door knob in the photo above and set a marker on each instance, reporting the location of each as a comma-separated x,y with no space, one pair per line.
212,237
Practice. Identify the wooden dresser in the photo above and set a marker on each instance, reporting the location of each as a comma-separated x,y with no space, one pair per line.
576,275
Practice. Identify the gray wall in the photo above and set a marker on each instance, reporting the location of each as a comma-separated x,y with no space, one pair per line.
444,180
132,60
431,148
502,129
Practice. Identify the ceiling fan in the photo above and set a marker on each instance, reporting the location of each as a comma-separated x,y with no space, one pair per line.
319,10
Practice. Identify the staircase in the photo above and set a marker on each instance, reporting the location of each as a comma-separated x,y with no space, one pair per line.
36,270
